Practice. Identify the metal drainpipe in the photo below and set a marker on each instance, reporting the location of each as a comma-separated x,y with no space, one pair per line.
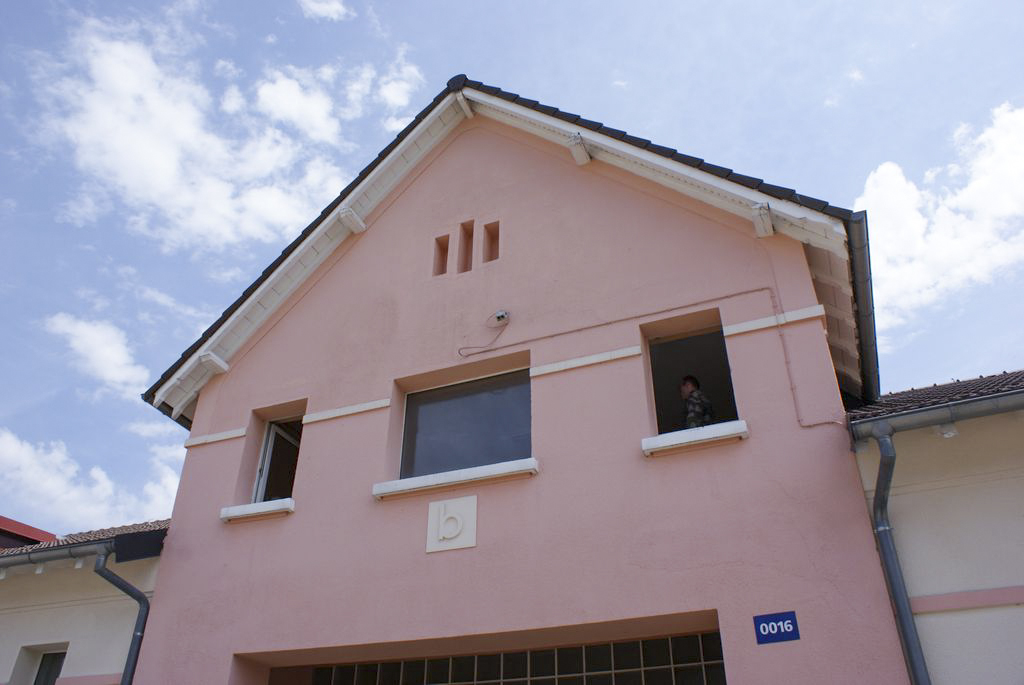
912,652
128,675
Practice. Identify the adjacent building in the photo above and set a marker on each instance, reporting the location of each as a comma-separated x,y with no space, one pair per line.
17,534
956,509
60,619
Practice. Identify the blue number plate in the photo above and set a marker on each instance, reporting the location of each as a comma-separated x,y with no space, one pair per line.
778,627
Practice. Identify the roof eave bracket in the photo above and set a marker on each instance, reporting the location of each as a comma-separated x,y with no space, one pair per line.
348,218
578,148
464,105
762,217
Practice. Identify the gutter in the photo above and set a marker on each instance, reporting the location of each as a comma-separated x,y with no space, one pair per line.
860,266
127,547
881,429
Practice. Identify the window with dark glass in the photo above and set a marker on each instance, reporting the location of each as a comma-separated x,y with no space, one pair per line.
475,423
674,660
50,665
701,355
279,460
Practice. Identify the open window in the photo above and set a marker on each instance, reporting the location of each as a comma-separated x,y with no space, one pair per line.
278,461
50,665
691,345
700,356
476,423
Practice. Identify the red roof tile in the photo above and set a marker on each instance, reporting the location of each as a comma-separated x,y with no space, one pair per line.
89,536
937,395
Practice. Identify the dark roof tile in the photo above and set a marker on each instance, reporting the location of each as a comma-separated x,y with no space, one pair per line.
777,191
715,170
744,180
838,212
689,160
611,132
811,202
639,142
457,82
661,150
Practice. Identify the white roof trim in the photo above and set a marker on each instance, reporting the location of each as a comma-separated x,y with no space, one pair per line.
348,218
799,222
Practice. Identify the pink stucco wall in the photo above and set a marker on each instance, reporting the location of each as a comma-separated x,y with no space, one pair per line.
602,536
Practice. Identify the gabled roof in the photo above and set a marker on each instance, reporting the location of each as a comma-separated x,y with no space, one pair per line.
23,531
916,399
835,239
89,536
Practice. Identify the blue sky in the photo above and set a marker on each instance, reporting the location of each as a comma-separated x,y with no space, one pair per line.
154,158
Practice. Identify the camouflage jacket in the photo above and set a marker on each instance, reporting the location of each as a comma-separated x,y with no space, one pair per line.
698,409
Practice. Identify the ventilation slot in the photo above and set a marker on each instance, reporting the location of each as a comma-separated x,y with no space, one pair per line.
491,241
466,246
441,255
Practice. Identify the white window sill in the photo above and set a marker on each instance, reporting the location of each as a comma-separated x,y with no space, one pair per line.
693,437
432,481
257,510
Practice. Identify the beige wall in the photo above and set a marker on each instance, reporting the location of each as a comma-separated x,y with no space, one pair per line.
957,509
64,605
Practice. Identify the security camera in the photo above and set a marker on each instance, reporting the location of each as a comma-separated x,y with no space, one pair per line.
501,316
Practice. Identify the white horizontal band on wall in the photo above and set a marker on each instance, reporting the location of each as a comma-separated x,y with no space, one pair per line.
577,362
346,411
814,312
215,437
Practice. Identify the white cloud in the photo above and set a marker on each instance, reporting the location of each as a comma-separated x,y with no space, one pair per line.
43,479
831,101
100,350
128,87
232,102
86,207
96,300
225,68
395,124
296,99
855,75
959,229
153,429
270,38
402,79
231,274
161,298
357,89
332,10
619,83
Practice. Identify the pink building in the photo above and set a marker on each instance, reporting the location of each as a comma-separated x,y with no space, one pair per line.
441,439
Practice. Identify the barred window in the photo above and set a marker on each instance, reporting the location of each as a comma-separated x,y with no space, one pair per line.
677,660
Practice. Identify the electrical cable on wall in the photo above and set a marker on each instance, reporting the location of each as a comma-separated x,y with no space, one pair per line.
499,320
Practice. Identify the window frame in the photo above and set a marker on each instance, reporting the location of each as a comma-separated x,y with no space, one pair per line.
272,432
482,465
724,412
50,677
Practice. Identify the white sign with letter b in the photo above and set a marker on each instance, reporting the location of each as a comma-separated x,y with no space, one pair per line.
451,524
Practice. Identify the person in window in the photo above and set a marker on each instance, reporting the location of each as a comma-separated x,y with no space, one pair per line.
696,403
